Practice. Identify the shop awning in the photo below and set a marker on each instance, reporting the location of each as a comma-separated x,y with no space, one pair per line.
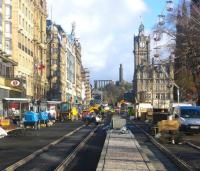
17,99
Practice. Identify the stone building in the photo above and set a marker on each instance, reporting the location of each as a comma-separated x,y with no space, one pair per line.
29,44
64,65
71,66
39,50
56,62
86,87
22,42
153,82
75,69
10,85
78,68
100,84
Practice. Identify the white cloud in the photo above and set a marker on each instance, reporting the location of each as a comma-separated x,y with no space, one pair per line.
136,6
84,23
83,3
105,28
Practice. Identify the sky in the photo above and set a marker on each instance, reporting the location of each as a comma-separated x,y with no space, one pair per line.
105,29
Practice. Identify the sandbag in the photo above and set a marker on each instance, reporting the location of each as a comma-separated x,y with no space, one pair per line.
3,133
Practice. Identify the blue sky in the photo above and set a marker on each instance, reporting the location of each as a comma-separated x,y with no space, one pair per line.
106,29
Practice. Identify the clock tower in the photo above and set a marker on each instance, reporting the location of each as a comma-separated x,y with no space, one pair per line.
152,83
141,63
141,48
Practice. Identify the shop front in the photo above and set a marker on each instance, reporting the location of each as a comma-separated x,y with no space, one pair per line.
14,108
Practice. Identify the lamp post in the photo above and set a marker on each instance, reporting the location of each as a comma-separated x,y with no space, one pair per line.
178,94
178,91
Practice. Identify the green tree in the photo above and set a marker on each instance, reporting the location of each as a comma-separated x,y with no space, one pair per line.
112,93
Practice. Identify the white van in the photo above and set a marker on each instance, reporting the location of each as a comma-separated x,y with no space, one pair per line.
189,118
174,105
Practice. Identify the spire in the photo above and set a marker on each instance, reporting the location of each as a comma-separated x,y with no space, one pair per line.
179,12
184,9
73,29
141,29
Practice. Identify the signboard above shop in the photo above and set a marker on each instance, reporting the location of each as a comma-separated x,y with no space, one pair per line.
14,83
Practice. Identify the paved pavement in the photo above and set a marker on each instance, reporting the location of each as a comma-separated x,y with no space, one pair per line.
122,152
21,143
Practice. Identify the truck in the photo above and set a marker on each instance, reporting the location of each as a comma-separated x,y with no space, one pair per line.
64,110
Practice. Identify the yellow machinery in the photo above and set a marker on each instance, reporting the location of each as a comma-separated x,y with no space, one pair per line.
4,122
168,131
168,125
94,108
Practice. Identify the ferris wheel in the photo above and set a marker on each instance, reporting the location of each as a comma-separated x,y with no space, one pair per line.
158,33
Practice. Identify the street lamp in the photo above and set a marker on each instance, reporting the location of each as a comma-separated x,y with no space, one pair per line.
178,90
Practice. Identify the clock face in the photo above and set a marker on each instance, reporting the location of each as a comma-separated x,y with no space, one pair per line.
142,44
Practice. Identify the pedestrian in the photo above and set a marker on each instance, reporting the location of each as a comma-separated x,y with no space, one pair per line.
74,113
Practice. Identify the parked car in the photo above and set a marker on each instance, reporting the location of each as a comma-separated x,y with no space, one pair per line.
189,118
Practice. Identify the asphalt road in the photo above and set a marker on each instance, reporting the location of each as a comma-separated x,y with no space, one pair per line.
159,160
184,152
50,159
88,157
21,143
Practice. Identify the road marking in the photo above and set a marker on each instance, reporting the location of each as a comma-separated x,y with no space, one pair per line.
38,152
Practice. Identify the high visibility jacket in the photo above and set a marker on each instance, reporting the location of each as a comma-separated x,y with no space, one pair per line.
74,111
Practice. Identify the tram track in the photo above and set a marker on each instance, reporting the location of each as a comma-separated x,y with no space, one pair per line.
66,162
57,154
193,145
186,156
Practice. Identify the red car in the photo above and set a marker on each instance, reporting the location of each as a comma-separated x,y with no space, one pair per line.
84,113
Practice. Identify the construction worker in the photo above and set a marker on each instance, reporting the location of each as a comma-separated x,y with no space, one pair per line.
74,113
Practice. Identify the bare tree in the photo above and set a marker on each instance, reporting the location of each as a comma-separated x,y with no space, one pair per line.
112,93
184,26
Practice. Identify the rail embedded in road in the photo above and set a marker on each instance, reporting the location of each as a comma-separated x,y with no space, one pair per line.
74,153
38,152
179,162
